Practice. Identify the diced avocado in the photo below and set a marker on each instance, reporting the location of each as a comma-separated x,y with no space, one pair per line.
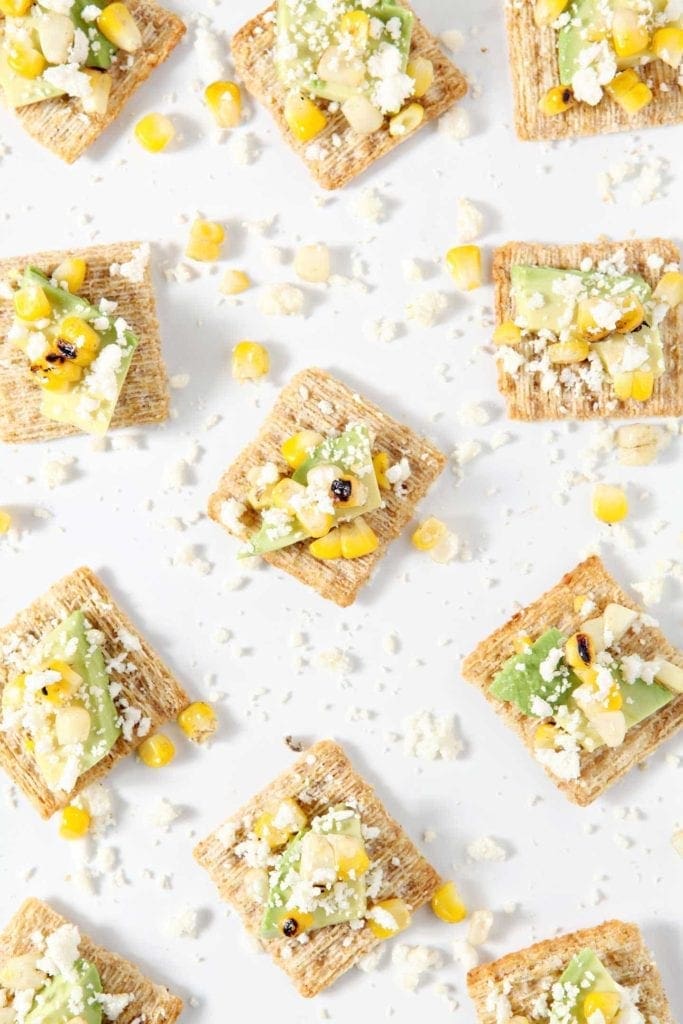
62,999
351,451
642,699
19,91
520,680
612,350
84,406
101,51
584,973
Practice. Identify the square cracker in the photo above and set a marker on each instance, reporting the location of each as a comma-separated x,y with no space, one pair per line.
321,777
144,397
530,972
522,392
535,69
601,768
145,682
61,125
334,164
314,400
151,1003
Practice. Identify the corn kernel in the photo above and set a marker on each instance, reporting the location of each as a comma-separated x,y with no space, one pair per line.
670,289
464,264
421,70
388,918
5,521
623,386
380,464
235,282
156,751
31,303
507,333
97,100
607,1004
224,100
356,24
629,91
358,539
266,829
198,721
304,118
60,376
362,116
545,736
296,922
79,344
629,35
643,385
75,822
70,274
579,651
587,320
285,492
63,689
26,60
250,360
447,905
548,11
154,132
297,449
352,861
565,353
328,547
667,45
610,504
312,263
206,239
556,100
117,24
15,8
315,522
632,316
429,534
407,120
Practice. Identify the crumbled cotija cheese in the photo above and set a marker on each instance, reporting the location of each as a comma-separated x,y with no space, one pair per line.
412,962
282,300
486,849
429,737
468,221
425,309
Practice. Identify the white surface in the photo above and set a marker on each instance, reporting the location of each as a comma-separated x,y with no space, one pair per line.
520,538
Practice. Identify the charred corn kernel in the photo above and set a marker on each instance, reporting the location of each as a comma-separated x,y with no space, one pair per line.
26,60
630,35
117,24
464,264
206,239
357,539
70,274
610,504
31,303
629,91
224,100
670,289
198,721
564,353
631,317
429,534
297,448
250,360
545,736
556,100
15,8
447,905
5,521
327,547
156,751
235,282
154,132
623,386
61,376
643,385
521,643
304,119
667,45
587,322
64,688
607,1004
407,120
421,70
507,333
285,492
296,922
315,522
579,651
388,918
548,11
75,822
78,341
356,24
380,464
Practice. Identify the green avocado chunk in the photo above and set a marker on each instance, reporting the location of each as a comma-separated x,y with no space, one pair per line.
101,51
520,680
90,404
62,999
584,973
642,699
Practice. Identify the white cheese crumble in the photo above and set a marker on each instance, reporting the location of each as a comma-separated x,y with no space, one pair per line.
431,737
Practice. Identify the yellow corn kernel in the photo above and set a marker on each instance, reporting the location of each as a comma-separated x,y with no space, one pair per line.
198,721
297,448
429,534
235,282
154,132
579,651
357,539
545,736
632,316
643,385
670,289
285,492
265,830
388,918
117,24
606,1003
78,341
304,118
614,700
15,8
63,689
5,521
629,91
564,353
70,274
75,822
447,905
206,239
224,100
548,11
610,504
629,35
667,45
586,323
276,836
356,24
352,861
507,333
26,60
421,70
623,386
380,464
464,264
97,100
556,100
31,303
156,751
315,523
521,643
295,922
61,376
407,120
250,360
328,547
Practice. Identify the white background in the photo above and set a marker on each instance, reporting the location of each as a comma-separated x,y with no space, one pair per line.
505,510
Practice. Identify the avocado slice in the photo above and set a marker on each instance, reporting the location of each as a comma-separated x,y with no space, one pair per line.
642,699
83,406
63,998
584,973
355,901
520,680
351,451
101,51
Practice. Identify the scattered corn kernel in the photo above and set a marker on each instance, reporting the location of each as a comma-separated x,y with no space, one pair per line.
548,11
70,274
224,100
643,385
31,303
312,263
205,242
286,493
75,822
297,448
250,360
235,282
198,721
357,539
380,464
362,116
564,353
154,132
623,386
421,70
464,264
579,651
64,688
315,522
407,120
447,905
72,725
352,861
276,828
97,100
545,736
556,100
507,333
117,24
388,918
670,289
304,119
630,35
78,342
328,547
5,521
429,534
15,8
667,45
25,60
632,316
610,504
607,1004
588,320
637,444
629,91
356,24
156,751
